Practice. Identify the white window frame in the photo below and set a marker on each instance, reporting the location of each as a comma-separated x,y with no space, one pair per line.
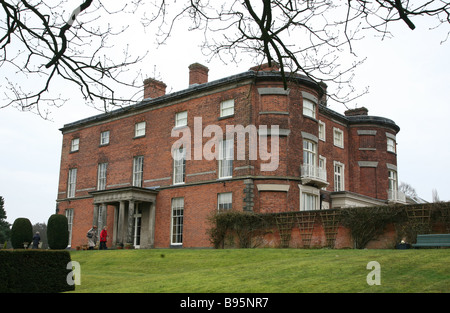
181,119
322,165
309,198
226,156
390,145
309,108
69,215
177,217
224,201
139,129
338,137
136,230
75,145
138,170
101,176
339,176
72,183
104,138
179,166
322,162
392,180
227,108
309,153
322,132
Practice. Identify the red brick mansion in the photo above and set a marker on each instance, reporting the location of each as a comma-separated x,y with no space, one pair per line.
155,171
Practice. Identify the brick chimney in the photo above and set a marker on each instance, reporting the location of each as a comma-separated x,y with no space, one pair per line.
198,74
154,88
265,67
323,97
356,112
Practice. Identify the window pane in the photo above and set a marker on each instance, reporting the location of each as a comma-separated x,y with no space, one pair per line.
72,183
309,153
181,119
139,129
309,108
138,165
69,215
308,202
338,138
177,220
227,108
390,145
75,144
179,166
338,177
225,201
104,138
101,179
321,131
226,151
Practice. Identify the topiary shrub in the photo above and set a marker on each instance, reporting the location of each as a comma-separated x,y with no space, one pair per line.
21,232
57,231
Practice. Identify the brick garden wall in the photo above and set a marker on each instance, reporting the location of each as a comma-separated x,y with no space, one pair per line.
319,229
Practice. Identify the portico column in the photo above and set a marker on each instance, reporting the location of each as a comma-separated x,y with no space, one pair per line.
130,221
151,225
120,221
95,215
115,224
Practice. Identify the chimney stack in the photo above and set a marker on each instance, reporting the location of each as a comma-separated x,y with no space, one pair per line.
265,67
198,74
323,96
356,112
154,88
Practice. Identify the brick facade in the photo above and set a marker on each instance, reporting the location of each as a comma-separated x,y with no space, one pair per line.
168,203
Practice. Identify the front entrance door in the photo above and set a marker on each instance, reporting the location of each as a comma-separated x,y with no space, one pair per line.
137,226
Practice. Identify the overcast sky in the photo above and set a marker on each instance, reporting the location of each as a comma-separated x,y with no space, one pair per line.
409,80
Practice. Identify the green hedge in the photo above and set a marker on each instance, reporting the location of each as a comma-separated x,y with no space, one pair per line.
34,271
57,231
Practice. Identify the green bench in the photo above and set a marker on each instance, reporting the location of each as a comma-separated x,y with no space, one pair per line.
432,240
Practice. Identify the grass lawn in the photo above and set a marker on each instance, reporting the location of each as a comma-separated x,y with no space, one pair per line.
262,270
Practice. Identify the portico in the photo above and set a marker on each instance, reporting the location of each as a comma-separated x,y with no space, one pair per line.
134,214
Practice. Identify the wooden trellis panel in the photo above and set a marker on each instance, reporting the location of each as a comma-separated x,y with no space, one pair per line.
285,222
420,217
445,212
330,222
305,221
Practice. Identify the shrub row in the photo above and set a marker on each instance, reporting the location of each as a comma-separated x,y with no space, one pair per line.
34,271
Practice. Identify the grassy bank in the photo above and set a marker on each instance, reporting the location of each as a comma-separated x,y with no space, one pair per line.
262,270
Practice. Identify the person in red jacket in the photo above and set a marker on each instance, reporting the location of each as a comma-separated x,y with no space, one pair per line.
103,238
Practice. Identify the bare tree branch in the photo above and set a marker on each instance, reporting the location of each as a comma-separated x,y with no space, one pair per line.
43,45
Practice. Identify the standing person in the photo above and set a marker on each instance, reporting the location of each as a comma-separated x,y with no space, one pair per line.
103,238
36,240
92,237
